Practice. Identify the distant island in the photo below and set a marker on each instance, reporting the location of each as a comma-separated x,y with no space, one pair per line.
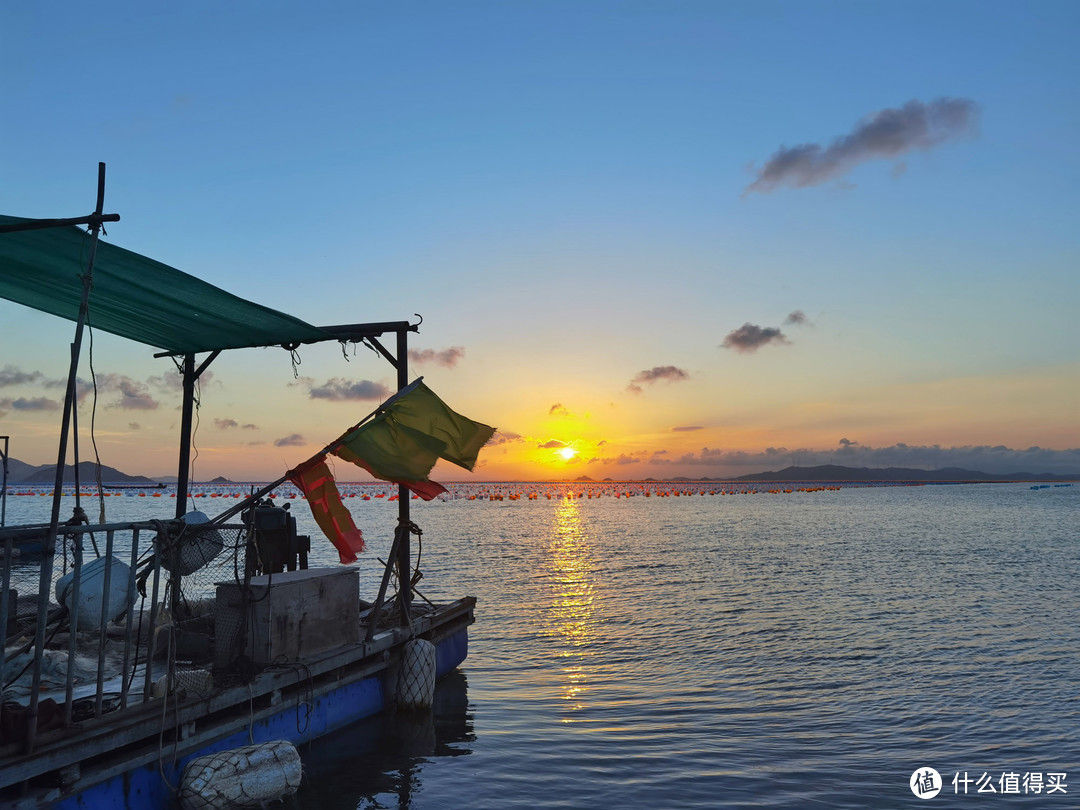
20,473
834,472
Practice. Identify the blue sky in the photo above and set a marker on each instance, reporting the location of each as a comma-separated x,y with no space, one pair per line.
564,192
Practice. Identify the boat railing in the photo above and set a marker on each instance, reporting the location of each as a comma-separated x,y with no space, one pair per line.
84,624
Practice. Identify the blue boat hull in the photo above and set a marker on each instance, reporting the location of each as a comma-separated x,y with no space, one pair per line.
145,786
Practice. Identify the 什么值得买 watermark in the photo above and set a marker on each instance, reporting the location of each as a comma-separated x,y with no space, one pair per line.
926,783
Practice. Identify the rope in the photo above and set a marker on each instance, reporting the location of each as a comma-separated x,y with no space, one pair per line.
138,643
417,575
195,429
93,421
169,675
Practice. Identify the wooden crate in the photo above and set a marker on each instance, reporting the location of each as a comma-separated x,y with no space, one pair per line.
291,616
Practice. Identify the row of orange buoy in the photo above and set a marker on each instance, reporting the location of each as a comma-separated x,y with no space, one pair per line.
496,491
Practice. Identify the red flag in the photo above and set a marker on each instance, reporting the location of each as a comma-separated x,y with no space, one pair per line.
315,480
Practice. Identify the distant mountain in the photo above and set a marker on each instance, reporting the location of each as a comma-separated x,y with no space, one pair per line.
833,472
21,473
18,470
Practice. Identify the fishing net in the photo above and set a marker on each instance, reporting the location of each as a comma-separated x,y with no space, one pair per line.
195,560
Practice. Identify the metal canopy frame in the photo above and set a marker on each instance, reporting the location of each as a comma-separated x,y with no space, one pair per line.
369,333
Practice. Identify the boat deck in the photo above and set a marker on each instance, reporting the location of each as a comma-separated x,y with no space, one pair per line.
108,703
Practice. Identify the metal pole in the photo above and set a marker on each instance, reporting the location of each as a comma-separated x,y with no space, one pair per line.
403,560
39,224
191,375
45,580
3,482
188,407
75,443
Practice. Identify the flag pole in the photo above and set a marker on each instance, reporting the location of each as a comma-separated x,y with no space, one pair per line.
401,536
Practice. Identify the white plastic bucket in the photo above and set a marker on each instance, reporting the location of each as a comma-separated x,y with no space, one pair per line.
197,548
91,587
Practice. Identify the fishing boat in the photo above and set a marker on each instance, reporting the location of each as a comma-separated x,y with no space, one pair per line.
145,660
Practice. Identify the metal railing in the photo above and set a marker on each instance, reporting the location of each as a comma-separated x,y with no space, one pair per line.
105,661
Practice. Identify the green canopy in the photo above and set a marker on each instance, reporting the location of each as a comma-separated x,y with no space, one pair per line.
136,297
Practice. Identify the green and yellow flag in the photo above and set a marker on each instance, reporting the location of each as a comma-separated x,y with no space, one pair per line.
413,432
424,412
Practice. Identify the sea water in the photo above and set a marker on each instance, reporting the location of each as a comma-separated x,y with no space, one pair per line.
791,650
788,650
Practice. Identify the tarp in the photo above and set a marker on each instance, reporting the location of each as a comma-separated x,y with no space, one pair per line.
136,297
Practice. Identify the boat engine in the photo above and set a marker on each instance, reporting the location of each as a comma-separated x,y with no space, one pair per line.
274,546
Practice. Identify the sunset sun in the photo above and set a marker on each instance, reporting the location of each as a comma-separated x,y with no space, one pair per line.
567,453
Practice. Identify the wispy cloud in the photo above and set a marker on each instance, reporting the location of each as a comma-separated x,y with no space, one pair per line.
620,460
292,440
32,404
558,409
504,437
338,389
231,424
796,318
447,358
750,337
884,134
650,376
715,457
551,444
133,395
12,375
172,382
686,429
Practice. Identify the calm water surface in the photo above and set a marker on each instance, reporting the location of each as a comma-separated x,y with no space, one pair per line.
799,650
792,650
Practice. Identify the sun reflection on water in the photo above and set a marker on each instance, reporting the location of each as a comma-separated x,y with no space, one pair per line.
571,618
